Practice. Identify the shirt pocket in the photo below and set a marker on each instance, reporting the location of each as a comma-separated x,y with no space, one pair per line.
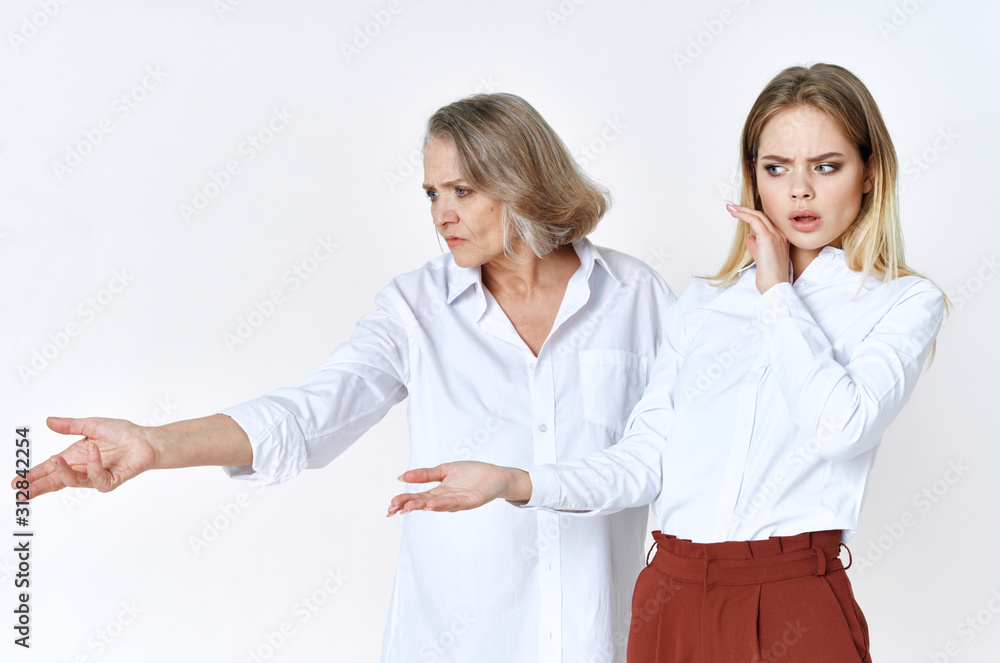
612,381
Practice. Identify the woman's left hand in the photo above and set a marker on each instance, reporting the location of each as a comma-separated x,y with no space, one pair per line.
767,246
464,485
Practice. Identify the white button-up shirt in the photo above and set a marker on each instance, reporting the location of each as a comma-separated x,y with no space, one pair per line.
496,584
765,418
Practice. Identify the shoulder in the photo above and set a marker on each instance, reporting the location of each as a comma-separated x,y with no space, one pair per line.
430,278
632,272
917,292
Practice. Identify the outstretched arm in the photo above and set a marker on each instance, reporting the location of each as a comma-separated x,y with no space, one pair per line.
464,485
112,451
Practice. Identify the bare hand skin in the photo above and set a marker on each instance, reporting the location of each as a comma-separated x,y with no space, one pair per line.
113,451
464,485
767,246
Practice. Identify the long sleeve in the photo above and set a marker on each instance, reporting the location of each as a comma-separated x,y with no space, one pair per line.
310,424
629,473
848,406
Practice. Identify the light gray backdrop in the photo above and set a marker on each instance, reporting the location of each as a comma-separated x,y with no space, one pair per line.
167,167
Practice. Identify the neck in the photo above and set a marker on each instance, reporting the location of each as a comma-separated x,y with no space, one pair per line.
802,258
531,273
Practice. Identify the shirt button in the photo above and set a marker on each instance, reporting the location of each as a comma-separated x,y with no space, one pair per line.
531,365
543,428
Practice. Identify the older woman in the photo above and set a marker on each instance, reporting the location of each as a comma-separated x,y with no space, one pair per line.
526,345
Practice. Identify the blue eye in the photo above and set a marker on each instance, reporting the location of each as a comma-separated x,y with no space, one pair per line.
774,169
432,194
827,168
461,192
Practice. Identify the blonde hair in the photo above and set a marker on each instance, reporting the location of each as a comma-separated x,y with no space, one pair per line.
873,245
509,152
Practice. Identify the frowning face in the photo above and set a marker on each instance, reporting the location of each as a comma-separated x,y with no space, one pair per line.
810,179
468,220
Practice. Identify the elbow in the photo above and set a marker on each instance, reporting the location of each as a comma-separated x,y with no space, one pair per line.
850,432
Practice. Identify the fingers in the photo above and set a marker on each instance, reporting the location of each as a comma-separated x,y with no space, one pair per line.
756,219
423,475
407,502
47,484
38,472
751,243
67,475
100,478
68,426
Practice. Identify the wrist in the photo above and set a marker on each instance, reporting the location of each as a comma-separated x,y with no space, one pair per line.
156,437
518,486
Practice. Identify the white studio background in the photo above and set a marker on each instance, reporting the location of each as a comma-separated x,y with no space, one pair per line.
116,300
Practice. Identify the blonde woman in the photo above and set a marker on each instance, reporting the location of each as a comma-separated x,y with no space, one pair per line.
524,330
756,437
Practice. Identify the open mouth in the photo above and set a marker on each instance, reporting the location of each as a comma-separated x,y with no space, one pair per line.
804,220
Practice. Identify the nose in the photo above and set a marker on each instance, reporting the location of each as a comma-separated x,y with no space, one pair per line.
443,213
801,186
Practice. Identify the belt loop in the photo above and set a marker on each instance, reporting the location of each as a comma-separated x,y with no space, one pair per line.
820,561
850,557
651,548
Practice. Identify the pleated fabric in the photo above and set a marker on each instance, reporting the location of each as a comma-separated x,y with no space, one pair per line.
782,599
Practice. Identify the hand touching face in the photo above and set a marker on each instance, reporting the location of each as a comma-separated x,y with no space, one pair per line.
810,179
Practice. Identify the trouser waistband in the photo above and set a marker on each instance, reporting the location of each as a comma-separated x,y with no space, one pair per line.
748,562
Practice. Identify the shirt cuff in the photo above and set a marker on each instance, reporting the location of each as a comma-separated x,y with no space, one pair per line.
778,302
544,488
278,444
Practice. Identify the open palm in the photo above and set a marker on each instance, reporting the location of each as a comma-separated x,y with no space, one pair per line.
464,485
111,452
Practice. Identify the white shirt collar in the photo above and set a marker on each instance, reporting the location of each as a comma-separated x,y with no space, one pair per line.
461,278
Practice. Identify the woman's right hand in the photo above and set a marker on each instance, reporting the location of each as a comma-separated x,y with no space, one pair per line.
111,452
467,484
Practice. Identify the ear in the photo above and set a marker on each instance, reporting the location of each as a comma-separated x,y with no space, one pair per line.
869,181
